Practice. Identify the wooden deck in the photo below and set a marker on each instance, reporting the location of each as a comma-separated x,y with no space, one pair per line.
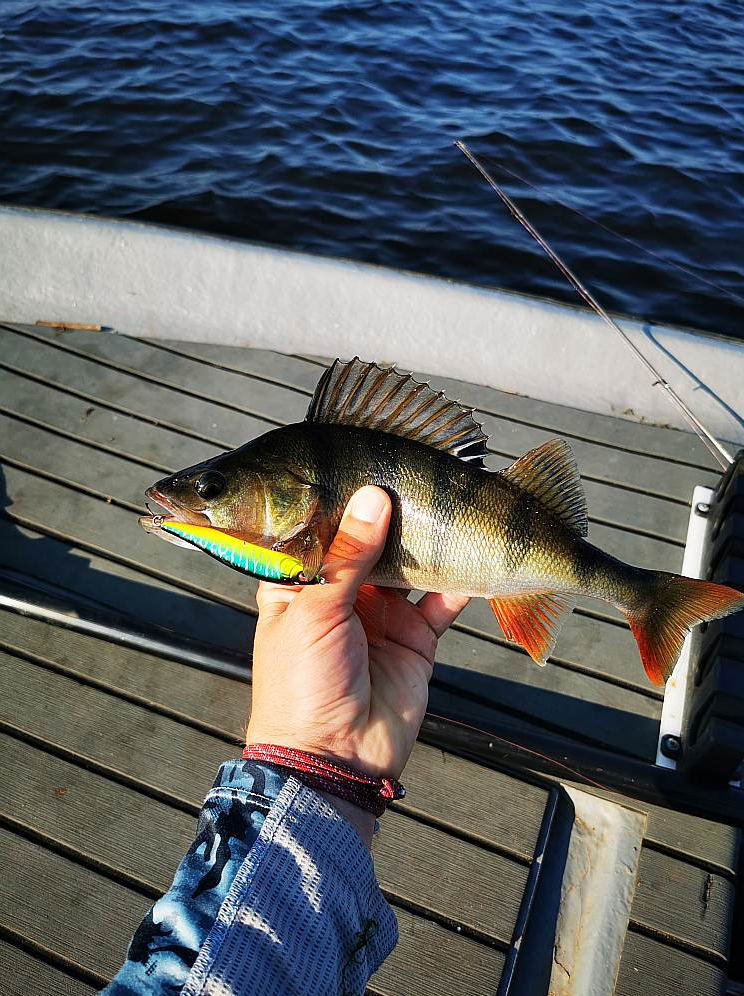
101,741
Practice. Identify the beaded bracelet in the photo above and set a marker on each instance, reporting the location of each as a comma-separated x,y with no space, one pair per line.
334,777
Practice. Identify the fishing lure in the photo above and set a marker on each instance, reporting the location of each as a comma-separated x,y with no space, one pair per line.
257,561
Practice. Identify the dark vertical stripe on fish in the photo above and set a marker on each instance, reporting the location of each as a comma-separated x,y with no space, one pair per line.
316,456
585,566
387,466
520,531
445,511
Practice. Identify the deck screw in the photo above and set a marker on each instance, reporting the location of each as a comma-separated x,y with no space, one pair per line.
670,746
702,508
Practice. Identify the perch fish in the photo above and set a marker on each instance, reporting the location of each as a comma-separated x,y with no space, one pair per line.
515,537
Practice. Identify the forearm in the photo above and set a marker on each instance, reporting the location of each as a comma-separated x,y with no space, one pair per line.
277,894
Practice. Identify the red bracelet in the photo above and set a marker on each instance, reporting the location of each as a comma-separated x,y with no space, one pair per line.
372,794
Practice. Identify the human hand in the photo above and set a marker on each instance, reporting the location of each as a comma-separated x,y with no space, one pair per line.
317,686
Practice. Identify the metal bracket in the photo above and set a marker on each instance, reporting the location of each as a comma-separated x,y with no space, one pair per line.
670,744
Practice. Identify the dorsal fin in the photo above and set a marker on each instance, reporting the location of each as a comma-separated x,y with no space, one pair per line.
551,475
363,394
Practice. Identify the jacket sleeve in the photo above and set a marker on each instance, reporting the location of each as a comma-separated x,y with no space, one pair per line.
277,894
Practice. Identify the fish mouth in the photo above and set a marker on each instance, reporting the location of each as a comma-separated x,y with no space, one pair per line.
171,509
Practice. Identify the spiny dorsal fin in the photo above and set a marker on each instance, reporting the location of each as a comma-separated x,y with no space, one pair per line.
551,475
363,394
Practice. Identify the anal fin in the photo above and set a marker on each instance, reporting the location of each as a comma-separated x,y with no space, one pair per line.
532,620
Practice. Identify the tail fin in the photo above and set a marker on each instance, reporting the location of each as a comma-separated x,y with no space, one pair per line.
671,606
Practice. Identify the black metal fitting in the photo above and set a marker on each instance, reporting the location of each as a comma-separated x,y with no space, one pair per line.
671,746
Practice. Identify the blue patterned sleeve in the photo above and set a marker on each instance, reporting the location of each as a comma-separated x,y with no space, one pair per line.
277,894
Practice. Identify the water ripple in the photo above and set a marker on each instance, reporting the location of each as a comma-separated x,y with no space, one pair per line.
327,126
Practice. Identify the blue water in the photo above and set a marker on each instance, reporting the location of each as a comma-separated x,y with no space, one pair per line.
327,126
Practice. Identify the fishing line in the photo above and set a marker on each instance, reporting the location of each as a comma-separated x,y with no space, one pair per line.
722,456
624,238
519,748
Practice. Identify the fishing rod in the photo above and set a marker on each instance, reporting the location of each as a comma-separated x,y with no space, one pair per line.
612,231
719,452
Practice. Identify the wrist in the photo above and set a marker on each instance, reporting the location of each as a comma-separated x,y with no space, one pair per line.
360,819
320,746
327,775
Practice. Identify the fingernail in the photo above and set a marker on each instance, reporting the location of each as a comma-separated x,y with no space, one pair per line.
367,505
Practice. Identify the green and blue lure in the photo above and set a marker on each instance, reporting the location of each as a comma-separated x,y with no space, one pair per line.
257,561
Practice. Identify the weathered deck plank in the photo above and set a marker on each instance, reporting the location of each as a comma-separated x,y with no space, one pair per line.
134,735
666,444
622,433
155,448
73,367
31,904
86,418
443,967
94,580
292,371
24,974
444,963
269,402
676,900
432,777
114,841
54,411
403,856
649,967
57,883
206,419
58,798
414,862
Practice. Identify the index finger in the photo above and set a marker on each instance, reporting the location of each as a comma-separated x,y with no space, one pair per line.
441,610
273,599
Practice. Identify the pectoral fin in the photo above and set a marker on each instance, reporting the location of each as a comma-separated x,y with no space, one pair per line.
533,620
311,555
304,544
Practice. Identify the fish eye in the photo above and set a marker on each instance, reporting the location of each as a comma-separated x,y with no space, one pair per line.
210,485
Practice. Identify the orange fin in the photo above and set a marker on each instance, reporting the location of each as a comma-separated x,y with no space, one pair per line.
371,607
533,620
674,605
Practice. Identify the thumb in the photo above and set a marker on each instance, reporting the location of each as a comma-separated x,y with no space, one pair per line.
359,541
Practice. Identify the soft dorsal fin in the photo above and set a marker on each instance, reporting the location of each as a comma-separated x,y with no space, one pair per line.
363,394
551,475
